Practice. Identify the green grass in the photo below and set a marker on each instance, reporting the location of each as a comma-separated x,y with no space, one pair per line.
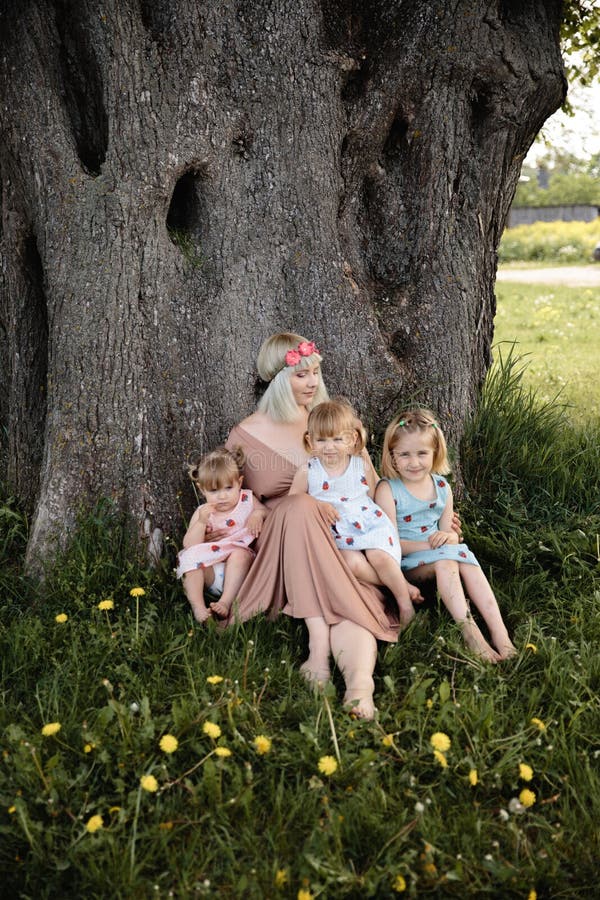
270,825
558,332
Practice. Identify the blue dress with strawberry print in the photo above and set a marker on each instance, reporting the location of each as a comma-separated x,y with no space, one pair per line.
362,524
418,519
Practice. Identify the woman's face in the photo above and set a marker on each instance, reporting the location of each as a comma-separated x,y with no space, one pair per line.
304,384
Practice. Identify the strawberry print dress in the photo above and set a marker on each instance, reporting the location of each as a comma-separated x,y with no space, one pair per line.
418,519
362,524
200,556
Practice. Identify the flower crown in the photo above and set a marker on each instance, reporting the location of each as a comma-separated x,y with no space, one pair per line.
304,348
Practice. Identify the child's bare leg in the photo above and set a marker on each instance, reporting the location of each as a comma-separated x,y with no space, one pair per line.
453,597
237,567
391,575
193,585
355,652
360,567
316,668
481,594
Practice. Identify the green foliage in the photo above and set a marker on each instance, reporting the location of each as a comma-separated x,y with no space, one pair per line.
563,190
555,242
580,38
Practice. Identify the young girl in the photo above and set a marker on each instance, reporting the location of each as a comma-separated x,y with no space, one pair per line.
419,497
219,566
337,476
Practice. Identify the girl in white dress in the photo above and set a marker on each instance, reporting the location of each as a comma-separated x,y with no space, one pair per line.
343,480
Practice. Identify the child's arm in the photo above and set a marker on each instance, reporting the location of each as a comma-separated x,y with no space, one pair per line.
197,528
370,473
257,517
445,534
300,486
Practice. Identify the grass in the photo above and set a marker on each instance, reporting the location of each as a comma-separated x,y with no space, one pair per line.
390,817
558,331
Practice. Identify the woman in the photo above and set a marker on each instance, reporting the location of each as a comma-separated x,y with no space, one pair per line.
298,569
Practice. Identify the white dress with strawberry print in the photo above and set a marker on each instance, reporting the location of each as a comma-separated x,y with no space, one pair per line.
200,556
418,519
362,524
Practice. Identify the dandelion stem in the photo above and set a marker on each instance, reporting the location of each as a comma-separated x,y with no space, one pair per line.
170,784
137,618
134,832
332,728
40,770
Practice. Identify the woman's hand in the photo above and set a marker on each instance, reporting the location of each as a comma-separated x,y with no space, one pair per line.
439,538
255,522
456,526
329,511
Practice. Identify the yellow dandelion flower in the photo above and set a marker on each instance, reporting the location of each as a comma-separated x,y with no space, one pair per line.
51,728
527,798
223,752
532,895
304,894
60,618
399,884
440,741
281,877
168,743
106,604
149,783
441,758
137,592
165,826
538,724
114,809
215,679
327,765
429,704
531,647
525,772
211,729
94,823
473,777
12,810
388,740
262,744
88,748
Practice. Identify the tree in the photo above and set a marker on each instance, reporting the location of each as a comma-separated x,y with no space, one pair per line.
182,178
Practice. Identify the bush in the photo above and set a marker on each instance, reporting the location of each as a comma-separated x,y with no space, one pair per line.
553,242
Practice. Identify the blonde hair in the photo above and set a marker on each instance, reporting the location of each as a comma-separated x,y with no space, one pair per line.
332,418
218,469
278,401
409,422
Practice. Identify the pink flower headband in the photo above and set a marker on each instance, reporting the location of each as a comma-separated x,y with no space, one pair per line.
304,348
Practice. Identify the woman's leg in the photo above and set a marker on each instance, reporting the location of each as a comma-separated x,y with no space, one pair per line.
451,591
237,567
481,594
355,652
316,668
193,585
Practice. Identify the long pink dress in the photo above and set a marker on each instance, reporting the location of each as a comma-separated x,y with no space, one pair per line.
298,569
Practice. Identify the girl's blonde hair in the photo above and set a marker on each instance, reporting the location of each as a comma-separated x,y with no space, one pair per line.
278,400
332,418
409,422
218,469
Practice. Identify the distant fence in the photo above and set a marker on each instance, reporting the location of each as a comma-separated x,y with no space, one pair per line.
527,215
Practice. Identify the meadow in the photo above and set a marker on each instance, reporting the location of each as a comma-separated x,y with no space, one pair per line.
146,757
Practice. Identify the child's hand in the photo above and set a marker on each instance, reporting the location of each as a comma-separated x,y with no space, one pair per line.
255,522
330,512
442,537
215,534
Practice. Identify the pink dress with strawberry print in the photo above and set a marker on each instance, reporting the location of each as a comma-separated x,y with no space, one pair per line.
362,524
418,519
200,556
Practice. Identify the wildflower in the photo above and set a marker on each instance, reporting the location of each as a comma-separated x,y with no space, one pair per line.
88,748
327,765
114,809
399,884
525,772
473,777
515,806
94,823
538,724
429,704
262,744
215,679
531,647
440,741
165,826
211,729
281,878
503,815
304,894
106,604
419,807
12,810
168,743
60,618
137,592
149,783
441,758
527,798
388,740
223,752
532,895
51,728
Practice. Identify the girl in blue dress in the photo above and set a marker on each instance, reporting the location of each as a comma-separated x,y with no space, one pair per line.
417,495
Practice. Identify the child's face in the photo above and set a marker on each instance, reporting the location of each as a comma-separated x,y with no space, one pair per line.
413,455
335,449
226,497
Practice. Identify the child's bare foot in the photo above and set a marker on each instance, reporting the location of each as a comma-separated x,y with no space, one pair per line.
506,650
407,614
201,613
414,593
315,671
476,642
359,702
220,608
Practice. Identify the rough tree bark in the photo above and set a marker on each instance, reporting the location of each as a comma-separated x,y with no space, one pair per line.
180,179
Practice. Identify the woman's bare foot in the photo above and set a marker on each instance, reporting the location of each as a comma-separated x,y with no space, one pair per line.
476,642
315,671
201,613
220,608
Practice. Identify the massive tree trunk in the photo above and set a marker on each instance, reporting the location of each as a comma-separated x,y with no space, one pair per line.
181,179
